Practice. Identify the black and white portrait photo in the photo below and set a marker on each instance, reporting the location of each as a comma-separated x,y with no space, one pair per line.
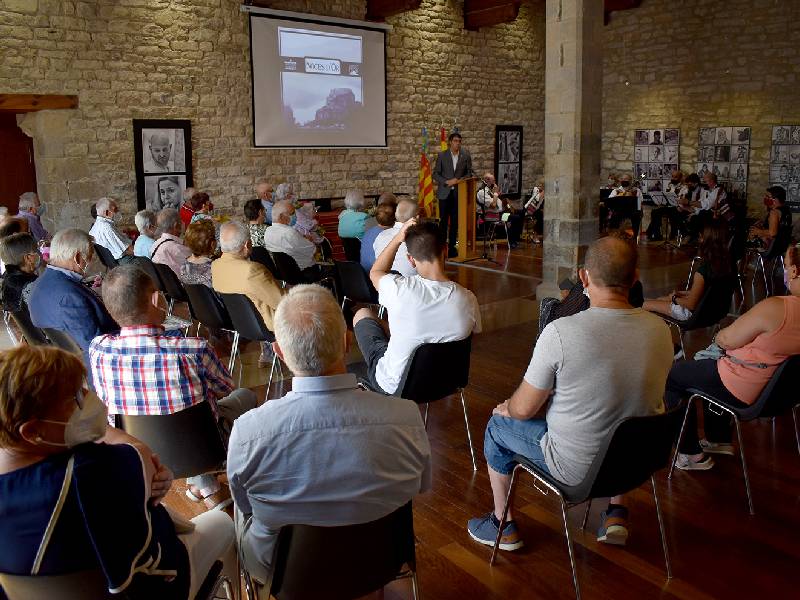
640,170
163,159
795,136
740,153
508,178
702,169
653,185
640,153
781,134
656,154
641,137
794,155
655,138
163,151
722,154
740,135
509,146
793,195
672,136
670,154
723,170
164,191
780,154
706,153
708,136
723,135
508,151
739,172
654,160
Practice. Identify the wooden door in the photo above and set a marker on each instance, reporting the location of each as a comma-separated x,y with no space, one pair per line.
17,170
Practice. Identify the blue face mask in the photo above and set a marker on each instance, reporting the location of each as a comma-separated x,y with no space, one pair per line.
293,220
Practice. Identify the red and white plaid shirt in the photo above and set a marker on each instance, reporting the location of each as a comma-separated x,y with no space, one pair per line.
141,371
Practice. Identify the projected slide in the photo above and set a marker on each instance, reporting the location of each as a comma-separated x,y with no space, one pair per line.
317,85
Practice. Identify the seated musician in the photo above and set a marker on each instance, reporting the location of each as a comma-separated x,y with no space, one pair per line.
689,205
674,186
535,208
623,210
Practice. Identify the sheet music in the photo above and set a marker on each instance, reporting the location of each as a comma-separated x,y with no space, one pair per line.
672,198
658,198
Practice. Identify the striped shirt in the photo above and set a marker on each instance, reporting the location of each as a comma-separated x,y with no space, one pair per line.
141,371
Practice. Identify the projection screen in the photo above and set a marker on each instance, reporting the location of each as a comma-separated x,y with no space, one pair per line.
316,83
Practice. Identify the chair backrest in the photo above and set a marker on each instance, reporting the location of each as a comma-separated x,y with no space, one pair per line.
246,319
207,308
352,249
188,441
354,283
546,307
84,585
287,268
63,340
779,244
32,334
436,371
104,256
149,267
780,393
343,562
173,287
260,255
714,305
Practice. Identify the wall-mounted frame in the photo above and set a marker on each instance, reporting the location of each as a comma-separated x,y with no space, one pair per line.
508,159
163,153
784,164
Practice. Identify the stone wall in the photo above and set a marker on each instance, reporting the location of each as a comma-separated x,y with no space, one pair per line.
189,59
694,64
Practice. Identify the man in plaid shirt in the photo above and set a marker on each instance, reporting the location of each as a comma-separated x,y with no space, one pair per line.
142,371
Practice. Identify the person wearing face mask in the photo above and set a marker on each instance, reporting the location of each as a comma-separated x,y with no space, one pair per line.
778,221
32,210
283,237
633,211
106,233
20,253
752,348
59,300
169,249
79,496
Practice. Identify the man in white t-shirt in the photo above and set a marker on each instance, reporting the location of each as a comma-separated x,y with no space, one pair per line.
406,209
590,370
426,308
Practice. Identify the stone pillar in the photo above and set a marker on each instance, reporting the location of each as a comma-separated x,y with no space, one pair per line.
572,135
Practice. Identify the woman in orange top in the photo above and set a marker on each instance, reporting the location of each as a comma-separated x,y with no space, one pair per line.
755,345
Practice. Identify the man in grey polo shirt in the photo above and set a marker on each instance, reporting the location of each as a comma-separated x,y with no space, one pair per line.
327,453
596,367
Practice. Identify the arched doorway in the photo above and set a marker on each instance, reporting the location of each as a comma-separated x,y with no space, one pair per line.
17,168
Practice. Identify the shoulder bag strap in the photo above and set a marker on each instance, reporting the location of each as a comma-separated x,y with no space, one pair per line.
48,532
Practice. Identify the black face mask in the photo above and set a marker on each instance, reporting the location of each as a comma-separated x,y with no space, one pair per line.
625,183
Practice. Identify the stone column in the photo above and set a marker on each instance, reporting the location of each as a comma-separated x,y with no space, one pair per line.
572,135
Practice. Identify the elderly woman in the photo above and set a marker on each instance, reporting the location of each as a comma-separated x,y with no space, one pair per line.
200,238
753,347
78,495
256,214
353,220
146,224
20,254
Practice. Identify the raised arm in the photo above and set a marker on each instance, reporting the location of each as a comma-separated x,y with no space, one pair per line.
383,263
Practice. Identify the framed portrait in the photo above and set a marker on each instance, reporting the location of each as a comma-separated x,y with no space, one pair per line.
508,159
163,158
655,154
784,168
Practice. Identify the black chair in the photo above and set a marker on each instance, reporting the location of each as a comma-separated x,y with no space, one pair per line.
779,396
22,318
772,256
352,249
286,269
339,563
63,340
188,441
260,255
354,283
104,256
249,325
326,249
173,288
209,311
631,453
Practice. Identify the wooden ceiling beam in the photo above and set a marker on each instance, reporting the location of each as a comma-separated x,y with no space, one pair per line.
23,103
378,10
487,13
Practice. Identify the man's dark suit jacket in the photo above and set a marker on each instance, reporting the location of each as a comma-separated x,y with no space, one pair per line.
444,170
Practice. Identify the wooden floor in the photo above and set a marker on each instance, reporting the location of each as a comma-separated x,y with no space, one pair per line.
717,549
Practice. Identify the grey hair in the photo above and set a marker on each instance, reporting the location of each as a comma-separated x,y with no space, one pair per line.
144,219
279,209
68,242
104,204
233,236
354,200
27,200
14,248
406,209
126,293
282,190
167,218
310,330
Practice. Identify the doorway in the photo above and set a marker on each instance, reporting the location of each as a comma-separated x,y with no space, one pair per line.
17,169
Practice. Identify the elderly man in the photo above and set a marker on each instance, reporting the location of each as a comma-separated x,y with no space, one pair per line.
30,209
146,224
168,249
283,237
373,447
105,232
264,195
59,300
181,371
159,157
582,409
422,309
406,210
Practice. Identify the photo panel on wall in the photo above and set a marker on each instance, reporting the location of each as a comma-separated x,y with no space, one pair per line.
656,152
784,169
163,160
164,191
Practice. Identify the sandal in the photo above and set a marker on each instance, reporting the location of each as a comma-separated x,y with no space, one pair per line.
204,493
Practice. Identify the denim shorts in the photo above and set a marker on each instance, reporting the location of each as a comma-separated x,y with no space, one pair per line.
506,437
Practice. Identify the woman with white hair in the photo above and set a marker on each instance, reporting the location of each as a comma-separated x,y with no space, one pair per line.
146,224
353,220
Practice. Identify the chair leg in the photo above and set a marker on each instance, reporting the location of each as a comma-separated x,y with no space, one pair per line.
425,417
689,406
414,585
661,526
170,306
683,348
469,435
764,273
269,381
744,465
234,352
569,549
510,495
586,514
796,431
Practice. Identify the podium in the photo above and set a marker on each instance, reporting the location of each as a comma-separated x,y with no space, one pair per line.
467,191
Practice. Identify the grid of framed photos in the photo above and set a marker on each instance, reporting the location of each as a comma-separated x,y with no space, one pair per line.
784,162
163,158
508,159
725,151
655,156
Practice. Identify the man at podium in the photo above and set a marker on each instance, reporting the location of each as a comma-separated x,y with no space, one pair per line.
453,164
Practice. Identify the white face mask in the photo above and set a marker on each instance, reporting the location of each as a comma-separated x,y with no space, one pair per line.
41,210
87,424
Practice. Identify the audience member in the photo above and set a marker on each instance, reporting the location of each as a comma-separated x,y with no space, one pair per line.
169,249
425,308
374,447
106,234
256,216
20,254
779,218
10,226
284,191
689,217
750,349
182,371
634,212
31,210
384,217
146,224
406,210
306,223
281,236
354,220
190,205
59,300
201,241
265,195
712,197
63,465
581,409
534,208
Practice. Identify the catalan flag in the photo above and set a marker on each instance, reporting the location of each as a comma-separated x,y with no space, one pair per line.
425,197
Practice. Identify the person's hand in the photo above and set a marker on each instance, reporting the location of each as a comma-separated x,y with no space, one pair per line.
162,481
452,182
410,223
501,409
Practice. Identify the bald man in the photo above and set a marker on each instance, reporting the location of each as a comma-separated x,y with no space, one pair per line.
584,403
158,158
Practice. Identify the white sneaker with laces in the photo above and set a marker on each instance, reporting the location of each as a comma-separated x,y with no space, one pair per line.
687,463
716,448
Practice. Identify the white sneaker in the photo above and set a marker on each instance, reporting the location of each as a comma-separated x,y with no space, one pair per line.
686,463
716,448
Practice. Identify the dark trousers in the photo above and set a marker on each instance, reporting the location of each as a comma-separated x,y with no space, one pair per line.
670,212
704,376
617,217
448,218
515,222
